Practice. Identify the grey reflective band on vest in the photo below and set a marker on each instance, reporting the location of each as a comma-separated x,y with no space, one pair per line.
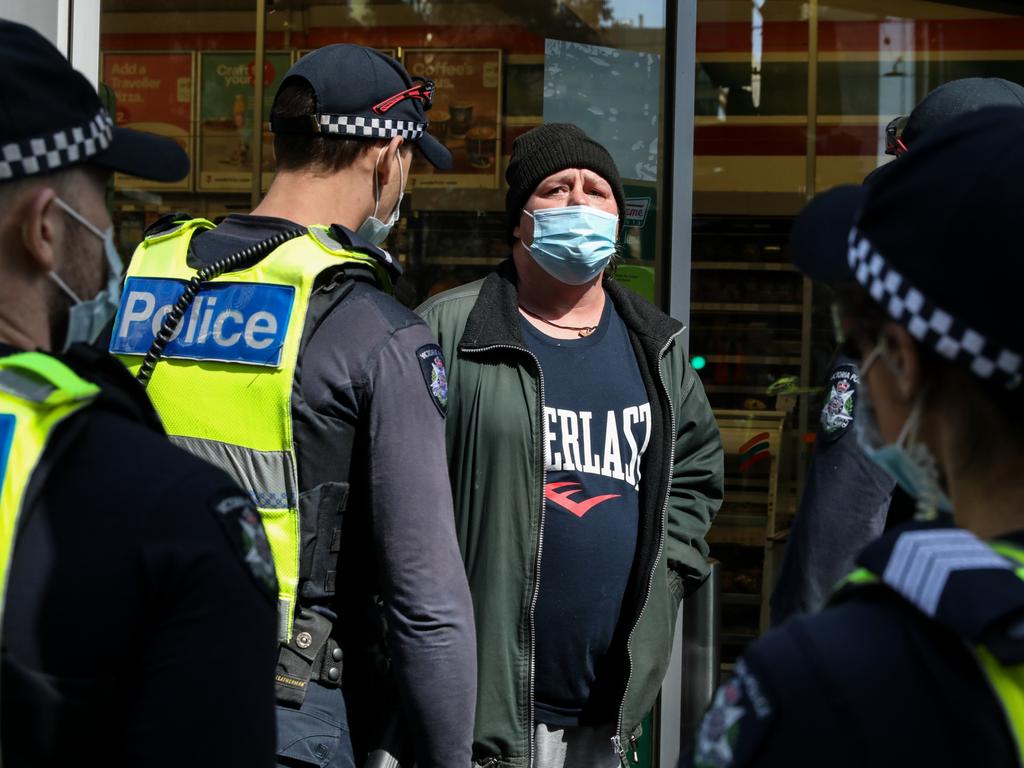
325,239
922,562
267,476
25,386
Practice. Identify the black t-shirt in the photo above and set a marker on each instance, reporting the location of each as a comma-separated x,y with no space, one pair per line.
597,426
139,628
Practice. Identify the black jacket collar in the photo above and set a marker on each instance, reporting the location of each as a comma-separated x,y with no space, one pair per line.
494,319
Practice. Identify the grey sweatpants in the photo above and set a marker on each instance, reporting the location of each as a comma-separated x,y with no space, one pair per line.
578,747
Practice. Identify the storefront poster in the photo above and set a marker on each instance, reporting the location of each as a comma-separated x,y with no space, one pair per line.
611,94
638,279
153,93
226,131
464,117
392,52
639,221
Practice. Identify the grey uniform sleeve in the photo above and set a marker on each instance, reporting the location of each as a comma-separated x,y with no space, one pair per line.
429,611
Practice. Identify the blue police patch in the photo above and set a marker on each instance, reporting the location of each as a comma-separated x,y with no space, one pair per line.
228,322
7,422
431,361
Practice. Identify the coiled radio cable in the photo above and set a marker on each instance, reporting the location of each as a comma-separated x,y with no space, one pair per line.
246,257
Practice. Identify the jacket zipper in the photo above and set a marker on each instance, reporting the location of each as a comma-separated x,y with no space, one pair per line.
531,704
620,750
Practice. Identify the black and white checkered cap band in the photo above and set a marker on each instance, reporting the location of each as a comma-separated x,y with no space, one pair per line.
928,323
50,153
372,127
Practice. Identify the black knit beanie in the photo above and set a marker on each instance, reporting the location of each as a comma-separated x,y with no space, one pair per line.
548,149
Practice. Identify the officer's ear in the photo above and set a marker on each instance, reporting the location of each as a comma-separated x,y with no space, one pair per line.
41,228
903,358
386,166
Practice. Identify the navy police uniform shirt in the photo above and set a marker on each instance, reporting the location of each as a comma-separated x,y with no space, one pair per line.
140,626
868,682
597,426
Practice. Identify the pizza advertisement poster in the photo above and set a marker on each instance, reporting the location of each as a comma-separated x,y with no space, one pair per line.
465,116
226,126
153,93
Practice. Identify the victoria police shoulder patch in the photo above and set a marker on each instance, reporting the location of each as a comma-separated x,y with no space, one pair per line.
735,723
837,412
431,361
244,528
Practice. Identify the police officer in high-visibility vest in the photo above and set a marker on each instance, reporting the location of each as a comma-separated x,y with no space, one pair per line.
918,658
137,588
271,346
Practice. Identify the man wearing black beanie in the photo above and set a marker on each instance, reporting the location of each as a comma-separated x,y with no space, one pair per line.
586,469
549,148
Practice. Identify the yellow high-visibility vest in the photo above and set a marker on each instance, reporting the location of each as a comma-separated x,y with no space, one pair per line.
223,386
37,394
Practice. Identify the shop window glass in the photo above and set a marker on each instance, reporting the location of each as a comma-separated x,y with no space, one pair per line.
793,98
186,69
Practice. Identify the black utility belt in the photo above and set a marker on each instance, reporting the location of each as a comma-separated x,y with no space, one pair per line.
311,655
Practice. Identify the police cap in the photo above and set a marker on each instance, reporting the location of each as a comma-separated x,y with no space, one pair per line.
51,118
361,93
939,244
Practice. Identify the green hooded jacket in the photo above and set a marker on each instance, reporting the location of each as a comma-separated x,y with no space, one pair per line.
496,463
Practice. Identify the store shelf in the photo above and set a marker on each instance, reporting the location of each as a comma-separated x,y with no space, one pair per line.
740,598
746,266
464,261
753,359
736,638
772,309
735,389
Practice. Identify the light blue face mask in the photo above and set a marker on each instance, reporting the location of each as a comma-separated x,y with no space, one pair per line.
573,244
909,462
373,230
86,319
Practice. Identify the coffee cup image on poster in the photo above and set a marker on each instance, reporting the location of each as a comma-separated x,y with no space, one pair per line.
464,116
227,133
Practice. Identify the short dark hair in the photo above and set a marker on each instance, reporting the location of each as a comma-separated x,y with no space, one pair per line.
313,151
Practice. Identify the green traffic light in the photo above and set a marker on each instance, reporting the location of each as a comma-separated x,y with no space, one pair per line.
698,362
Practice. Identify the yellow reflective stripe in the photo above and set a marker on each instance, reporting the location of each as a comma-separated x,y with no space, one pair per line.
282,527
1008,684
29,424
855,578
1008,550
65,384
178,229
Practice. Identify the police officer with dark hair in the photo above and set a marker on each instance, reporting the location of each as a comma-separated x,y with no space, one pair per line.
848,501
138,591
271,347
917,660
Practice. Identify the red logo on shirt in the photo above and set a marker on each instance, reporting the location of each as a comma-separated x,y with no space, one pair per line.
578,508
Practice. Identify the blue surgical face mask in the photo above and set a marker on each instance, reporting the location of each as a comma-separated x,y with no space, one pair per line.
573,244
373,230
86,319
909,462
